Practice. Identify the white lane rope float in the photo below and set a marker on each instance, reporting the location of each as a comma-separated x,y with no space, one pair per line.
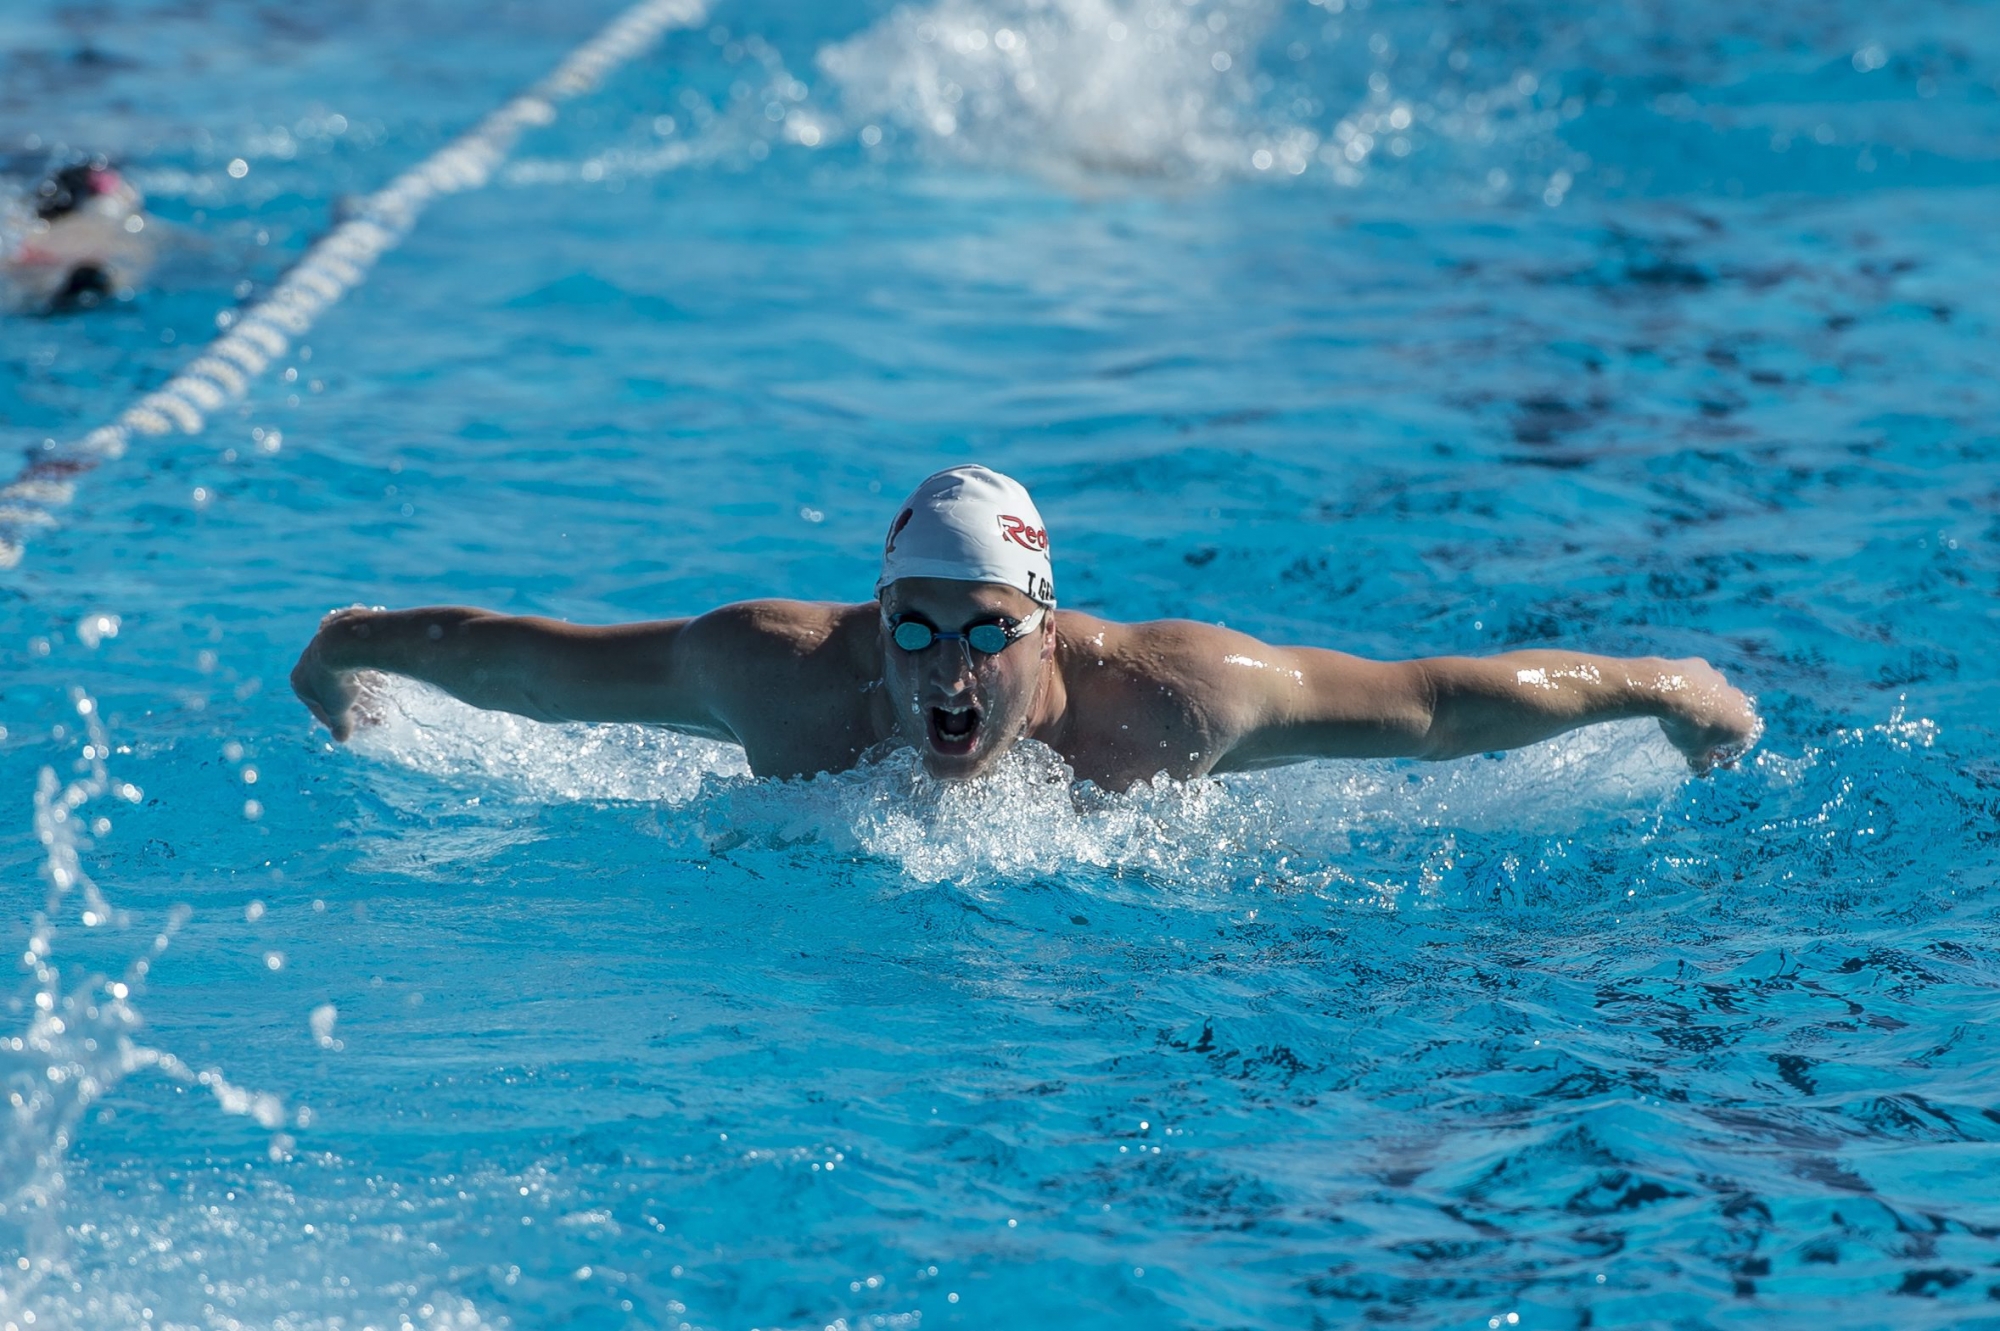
221,374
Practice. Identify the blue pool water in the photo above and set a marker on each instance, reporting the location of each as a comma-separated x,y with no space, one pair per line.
1643,329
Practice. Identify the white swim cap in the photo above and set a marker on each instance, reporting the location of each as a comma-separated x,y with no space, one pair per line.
969,524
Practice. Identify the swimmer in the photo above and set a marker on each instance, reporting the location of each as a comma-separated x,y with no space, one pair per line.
963,652
86,243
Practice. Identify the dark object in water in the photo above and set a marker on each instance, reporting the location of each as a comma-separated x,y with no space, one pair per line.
68,189
86,285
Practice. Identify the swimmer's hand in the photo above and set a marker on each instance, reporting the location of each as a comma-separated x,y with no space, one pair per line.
1709,720
333,694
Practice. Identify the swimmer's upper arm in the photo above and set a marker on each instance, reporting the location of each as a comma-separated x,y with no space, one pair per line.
716,662
1295,703
687,674
554,671
678,673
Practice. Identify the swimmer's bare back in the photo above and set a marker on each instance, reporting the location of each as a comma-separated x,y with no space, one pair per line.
810,687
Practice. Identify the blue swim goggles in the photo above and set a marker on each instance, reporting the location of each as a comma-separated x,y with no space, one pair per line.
988,637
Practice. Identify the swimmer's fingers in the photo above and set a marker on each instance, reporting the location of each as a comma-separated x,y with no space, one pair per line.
1715,753
360,702
336,717
1732,752
338,728
1730,756
306,681
328,694
1715,760
1710,721
1711,748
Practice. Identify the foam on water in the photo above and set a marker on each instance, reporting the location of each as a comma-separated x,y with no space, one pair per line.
1245,89
1584,821
429,731
1138,89
1028,816
1095,92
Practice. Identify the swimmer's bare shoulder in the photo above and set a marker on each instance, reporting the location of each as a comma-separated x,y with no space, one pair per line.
1141,698
796,683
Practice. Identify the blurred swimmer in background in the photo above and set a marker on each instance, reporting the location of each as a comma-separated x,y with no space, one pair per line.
84,242
962,653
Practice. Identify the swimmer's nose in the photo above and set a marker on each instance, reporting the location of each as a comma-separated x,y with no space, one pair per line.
952,666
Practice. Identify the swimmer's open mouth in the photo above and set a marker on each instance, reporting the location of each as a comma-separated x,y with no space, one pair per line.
954,730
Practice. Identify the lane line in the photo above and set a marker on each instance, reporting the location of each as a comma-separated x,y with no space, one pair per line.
221,373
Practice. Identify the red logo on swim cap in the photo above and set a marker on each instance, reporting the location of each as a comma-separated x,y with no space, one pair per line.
1019,532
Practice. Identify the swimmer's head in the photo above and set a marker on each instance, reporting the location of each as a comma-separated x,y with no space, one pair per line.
971,524
966,578
95,185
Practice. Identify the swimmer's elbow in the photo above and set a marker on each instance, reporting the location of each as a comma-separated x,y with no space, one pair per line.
1437,749
1429,729
1457,711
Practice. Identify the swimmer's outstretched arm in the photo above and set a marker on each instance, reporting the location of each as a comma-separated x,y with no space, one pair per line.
1310,703
544,669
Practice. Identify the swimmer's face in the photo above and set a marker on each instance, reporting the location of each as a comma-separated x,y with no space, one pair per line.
961,709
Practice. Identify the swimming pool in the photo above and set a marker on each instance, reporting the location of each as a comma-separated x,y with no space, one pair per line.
1666,331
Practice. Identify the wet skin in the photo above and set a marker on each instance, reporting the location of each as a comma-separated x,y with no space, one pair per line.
810,687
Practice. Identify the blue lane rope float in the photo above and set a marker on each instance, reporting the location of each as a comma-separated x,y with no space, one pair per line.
221,374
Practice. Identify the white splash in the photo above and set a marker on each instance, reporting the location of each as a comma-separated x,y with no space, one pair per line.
1129,87
425,729
1027,817
79,1042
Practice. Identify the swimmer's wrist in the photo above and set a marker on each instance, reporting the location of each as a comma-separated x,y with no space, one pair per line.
1673,690
350,637
400,642
1648,692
